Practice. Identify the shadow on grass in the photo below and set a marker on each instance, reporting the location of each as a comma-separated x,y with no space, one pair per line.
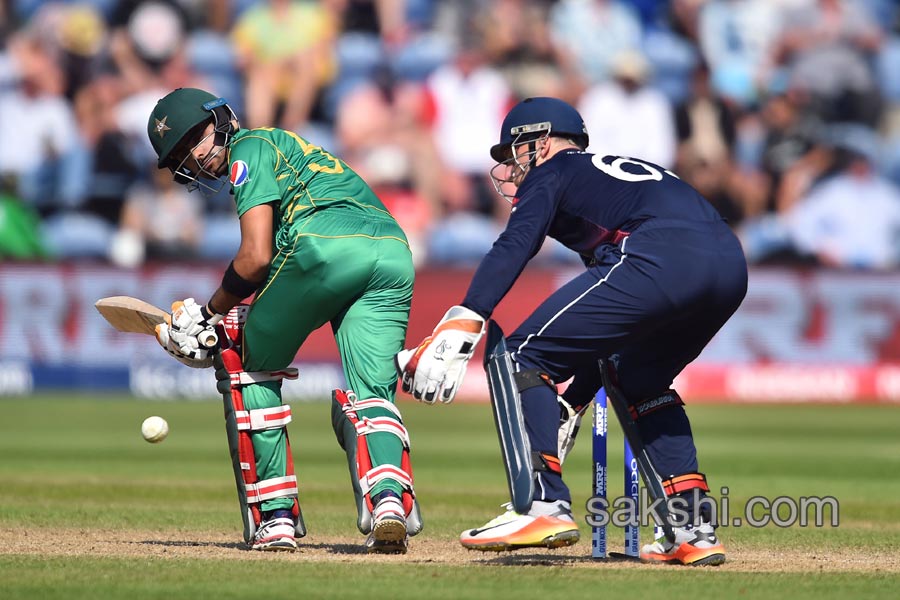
336,548
193,544
323,547
517,559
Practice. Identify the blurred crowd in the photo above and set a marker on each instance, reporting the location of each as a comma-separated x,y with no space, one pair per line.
785,114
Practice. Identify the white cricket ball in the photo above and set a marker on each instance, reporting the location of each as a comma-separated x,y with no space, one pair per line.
154,429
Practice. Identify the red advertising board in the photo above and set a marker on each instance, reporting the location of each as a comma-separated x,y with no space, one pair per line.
799,335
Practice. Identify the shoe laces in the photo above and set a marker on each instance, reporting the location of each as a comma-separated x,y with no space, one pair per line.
506,517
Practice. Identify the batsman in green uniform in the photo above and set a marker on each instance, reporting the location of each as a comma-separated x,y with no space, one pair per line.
317,246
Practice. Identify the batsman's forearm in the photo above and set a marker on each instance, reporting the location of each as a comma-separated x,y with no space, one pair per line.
236,286
221,302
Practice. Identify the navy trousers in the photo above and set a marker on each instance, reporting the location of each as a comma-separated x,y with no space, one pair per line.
650,304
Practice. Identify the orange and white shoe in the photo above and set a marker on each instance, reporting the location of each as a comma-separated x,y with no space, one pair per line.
693,546
547,525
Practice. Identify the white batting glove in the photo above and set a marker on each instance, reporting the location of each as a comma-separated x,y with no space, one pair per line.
191,337
434,370
163,336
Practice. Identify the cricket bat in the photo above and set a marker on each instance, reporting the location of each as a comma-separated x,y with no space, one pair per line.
131,315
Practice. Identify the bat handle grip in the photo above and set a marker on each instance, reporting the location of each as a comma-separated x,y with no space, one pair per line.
208,338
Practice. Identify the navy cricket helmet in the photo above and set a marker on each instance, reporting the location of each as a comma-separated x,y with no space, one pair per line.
535,116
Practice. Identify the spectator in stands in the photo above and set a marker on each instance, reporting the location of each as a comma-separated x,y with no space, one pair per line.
827,48
41,149
145,56
384,20
627,117
161,220
736,38
684,19
401,35
286,56
583,53
791,157
78,78
381,134
517,42
467,100
147,40
76,36
671,49
851,219
706,131
847,217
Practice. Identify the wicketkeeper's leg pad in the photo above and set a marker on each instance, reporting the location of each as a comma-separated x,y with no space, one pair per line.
240,423
351,431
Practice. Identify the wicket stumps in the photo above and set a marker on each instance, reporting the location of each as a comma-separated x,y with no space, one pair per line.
601,473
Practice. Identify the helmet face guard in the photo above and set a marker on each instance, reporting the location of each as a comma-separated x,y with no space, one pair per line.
188,171
510,172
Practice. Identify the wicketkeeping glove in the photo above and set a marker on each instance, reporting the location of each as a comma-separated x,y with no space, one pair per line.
434,370
569,423
191,338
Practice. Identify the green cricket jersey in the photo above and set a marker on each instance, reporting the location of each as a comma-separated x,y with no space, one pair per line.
339,258
269,165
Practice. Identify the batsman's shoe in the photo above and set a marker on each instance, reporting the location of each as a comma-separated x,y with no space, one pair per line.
276,533
692,546
547,525
389,527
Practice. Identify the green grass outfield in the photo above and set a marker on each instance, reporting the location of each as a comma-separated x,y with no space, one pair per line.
90,510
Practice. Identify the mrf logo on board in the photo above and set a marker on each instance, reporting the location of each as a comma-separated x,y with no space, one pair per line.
240,173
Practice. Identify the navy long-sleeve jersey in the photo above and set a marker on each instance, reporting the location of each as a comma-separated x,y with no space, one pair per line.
665,272
584,201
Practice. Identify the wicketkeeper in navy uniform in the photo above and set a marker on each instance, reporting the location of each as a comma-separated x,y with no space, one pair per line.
663,273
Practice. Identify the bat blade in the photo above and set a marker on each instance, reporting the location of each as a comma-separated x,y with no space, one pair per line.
131,315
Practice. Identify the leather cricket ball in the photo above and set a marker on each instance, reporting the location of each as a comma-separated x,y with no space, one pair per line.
154,429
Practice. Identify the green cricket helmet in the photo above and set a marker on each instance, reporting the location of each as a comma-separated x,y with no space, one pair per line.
178,119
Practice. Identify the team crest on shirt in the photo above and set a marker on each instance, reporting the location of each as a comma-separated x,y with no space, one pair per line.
240,173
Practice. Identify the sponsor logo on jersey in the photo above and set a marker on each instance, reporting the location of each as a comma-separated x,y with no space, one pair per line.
240,173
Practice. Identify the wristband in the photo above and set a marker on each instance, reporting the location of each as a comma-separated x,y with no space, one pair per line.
210,317
236,285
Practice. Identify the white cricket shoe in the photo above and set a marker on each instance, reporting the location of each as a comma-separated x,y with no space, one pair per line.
547,525
389,528
275,534
692,546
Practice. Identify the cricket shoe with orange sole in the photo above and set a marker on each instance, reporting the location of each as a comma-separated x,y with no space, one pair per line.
693,545
546,525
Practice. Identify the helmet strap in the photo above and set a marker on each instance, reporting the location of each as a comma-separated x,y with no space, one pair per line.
222,123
